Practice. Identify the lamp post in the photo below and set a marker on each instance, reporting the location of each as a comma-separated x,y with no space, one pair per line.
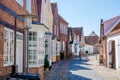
48,43
27,25
46,46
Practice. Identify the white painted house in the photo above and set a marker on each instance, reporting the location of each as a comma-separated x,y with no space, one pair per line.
90,43
76,40
112,34
56,48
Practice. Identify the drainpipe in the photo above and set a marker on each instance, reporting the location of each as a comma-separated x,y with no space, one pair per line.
14,67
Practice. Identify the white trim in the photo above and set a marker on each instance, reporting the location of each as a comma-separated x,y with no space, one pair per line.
115,38
8,47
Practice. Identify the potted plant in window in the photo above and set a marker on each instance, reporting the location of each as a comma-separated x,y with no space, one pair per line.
46,63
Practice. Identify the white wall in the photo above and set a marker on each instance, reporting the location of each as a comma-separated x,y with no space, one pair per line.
116,38
58,48
89,48
49,51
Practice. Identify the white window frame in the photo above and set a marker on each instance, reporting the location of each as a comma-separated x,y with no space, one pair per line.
21,2
33,48
60,28
29,6
54,29
40,50
8,47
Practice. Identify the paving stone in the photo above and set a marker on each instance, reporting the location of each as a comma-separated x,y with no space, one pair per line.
85,69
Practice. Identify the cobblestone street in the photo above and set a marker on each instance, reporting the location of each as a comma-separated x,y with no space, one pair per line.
81,70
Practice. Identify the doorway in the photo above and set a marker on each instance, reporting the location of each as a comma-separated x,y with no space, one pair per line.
19,55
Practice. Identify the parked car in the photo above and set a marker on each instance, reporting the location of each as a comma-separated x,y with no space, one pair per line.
25,76
15,79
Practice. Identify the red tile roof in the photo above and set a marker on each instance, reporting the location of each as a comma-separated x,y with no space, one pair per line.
77,31
91,40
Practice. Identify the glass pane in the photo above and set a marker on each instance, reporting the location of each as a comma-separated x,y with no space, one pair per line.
35,38
30,38
34,34
30,34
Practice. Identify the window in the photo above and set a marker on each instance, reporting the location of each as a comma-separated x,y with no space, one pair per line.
20,2
32,51
36,49
32,39
8,47
55,29
63,45
28,6
61,28
32,57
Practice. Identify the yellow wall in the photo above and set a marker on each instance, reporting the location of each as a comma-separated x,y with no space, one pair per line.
49,16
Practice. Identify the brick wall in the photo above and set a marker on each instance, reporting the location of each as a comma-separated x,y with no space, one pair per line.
39,70
63,36
55,19
8,15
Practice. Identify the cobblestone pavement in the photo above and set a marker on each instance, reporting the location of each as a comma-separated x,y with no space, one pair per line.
80,70
59,71
109,74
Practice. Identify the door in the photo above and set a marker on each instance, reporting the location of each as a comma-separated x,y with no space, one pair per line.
113,54
19,56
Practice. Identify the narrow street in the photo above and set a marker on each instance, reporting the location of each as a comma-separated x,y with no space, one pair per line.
76,69
80,70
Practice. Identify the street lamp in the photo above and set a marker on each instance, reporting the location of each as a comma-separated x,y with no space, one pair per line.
46,46
27,26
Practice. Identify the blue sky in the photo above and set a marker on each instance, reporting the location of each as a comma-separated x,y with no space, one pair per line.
87,13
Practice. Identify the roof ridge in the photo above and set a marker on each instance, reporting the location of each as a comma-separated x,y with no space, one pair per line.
111,19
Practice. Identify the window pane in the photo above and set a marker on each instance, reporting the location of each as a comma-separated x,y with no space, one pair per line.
28,5
20,2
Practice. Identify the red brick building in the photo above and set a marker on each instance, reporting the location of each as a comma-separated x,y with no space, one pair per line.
12,41
56,35
63,35
55,20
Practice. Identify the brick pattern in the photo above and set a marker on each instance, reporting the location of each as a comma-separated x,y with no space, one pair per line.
9,18
55,19
63,37
39,70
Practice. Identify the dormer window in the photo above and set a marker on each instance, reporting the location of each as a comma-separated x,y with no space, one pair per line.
20,2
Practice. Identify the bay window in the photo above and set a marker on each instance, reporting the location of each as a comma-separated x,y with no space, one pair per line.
36,49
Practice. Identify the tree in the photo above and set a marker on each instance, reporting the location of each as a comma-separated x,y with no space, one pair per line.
46,62
61,55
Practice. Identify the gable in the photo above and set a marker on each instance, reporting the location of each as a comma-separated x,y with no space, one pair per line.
116,27
91,40
110,24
